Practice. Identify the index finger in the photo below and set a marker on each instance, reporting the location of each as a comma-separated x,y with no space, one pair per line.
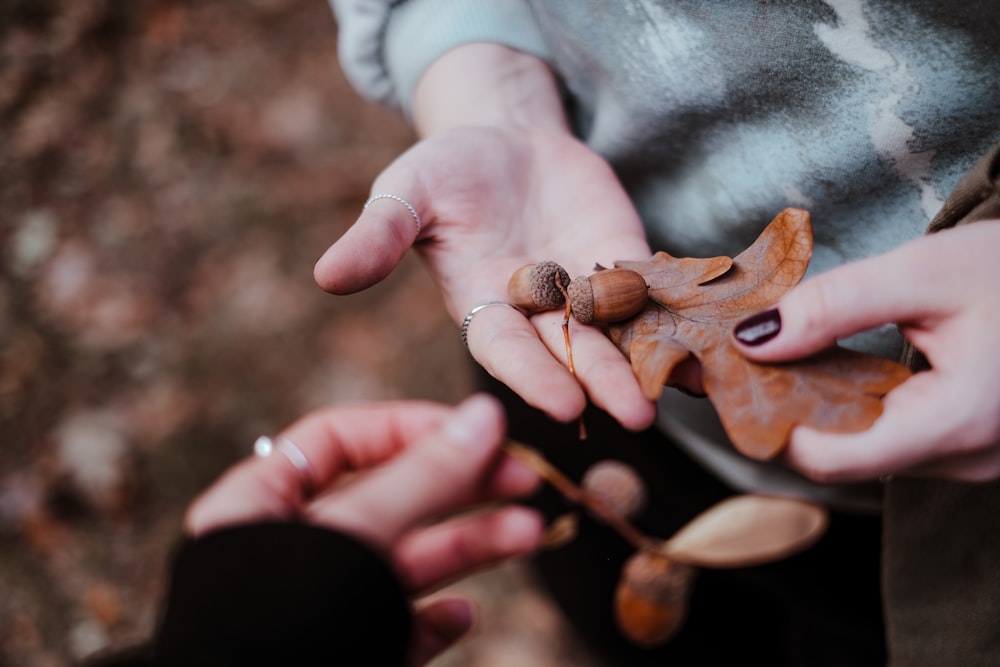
354,437
849,299
507,346
332,441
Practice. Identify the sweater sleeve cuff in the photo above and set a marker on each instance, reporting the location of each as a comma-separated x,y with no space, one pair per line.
385,50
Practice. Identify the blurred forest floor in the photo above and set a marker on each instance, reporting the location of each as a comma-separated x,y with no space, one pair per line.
169,173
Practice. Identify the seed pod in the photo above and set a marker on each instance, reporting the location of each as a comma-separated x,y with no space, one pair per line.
617,485
652,598
533,287
609,295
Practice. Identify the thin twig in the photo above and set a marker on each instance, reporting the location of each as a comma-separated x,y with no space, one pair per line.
580,496
569,346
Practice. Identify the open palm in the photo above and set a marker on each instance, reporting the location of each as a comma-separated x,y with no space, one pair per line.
491,200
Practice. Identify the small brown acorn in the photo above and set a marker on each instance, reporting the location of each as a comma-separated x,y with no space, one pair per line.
651,600
618,485
609,295
655,585
534,287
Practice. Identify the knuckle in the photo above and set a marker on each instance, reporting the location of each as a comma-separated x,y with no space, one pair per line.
975,421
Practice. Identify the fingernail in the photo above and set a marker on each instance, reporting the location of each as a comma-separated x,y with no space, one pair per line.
759,328
471,424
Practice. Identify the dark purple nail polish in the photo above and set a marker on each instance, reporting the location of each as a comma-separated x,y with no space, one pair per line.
759,328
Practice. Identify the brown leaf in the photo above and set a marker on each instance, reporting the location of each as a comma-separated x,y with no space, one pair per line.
694,305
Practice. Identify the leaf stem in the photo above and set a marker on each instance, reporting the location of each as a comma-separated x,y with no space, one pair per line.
581,496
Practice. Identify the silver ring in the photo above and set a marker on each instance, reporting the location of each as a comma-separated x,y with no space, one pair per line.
472,313
264,446
386,195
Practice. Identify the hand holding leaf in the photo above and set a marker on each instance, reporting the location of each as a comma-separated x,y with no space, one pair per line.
694,305
688,313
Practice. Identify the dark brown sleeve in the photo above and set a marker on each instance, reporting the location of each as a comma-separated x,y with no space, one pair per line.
941,539
976,197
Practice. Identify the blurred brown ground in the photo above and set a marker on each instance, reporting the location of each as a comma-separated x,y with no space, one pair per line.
169,173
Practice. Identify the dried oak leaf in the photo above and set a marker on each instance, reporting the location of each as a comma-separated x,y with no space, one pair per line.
694,305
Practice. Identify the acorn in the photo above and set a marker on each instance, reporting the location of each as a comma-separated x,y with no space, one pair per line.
618,485
651,600
607,296
534,287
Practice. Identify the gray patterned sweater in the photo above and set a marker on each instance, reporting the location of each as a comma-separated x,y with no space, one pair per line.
716,115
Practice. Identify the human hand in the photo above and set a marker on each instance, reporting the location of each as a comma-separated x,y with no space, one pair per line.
499,182
491,200
942,292
427,461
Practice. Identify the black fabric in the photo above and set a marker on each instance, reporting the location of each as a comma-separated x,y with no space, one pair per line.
818,608
278,594
942,562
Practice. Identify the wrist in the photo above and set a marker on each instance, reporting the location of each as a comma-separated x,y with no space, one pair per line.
490,85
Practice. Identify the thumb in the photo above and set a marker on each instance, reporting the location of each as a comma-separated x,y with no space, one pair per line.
839,303
440,475
369,251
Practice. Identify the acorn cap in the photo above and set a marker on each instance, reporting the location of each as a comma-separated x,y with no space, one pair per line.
581,296
657,578
533,287
651,598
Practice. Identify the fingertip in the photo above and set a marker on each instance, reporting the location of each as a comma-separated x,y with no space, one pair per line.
553,391
338,274
638,415
567,409
617,391
521,530
511,351
477,422
324,273
365,255
758,329
489,405
768,336
348,267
